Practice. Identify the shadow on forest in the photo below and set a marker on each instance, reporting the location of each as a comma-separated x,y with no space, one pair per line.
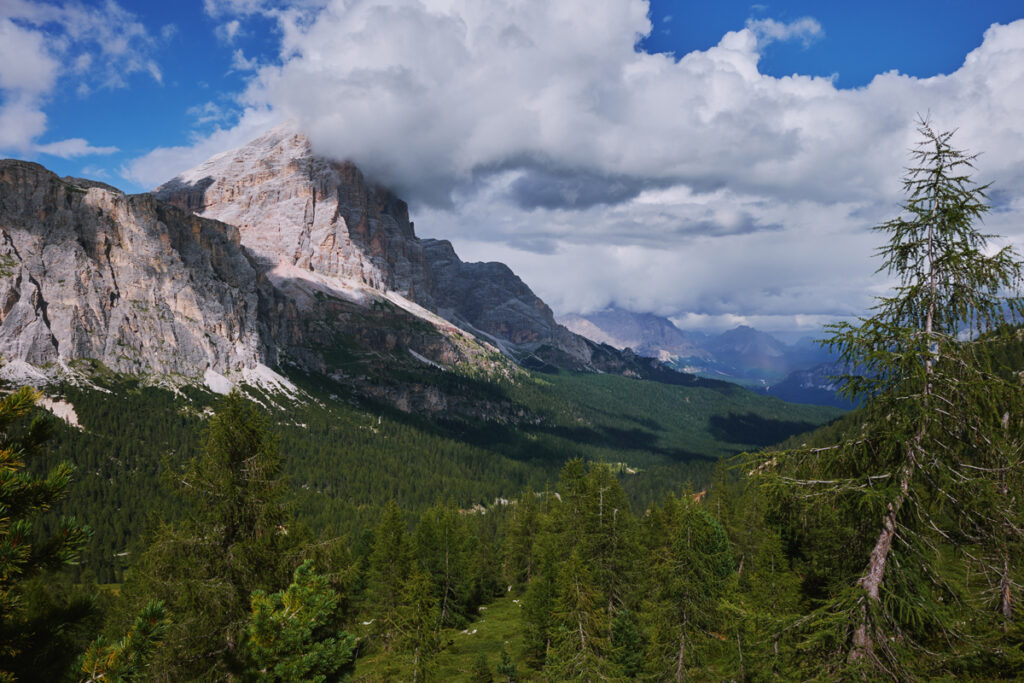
753,429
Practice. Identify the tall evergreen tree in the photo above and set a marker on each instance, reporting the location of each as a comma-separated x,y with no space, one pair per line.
523,526
390,564
940,433
234,541
441,543
418,618
689,564
539,600
580,642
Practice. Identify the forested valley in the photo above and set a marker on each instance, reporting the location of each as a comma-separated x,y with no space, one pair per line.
639,532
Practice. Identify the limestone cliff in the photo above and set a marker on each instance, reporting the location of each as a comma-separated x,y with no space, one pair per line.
262,255
89,272
296,209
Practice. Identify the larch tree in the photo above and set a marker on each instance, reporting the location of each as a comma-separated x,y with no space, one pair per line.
924,474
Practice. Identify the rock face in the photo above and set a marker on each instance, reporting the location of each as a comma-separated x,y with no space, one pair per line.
89,272
296,210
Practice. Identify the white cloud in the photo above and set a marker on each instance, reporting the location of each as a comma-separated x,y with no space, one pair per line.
21,120
26,65
44,46
535,133
228,31
806,29
240,63
209,112
72,147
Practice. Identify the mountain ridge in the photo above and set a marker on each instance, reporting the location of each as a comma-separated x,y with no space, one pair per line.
743,354
263,257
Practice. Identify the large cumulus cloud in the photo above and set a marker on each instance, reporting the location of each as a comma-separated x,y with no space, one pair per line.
537,133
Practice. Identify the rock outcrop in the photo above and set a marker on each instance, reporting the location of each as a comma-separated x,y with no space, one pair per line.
296,209
89,272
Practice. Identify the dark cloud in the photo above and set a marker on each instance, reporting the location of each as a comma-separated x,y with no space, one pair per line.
575,189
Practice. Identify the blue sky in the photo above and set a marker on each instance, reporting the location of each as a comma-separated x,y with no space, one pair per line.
860,39
732,179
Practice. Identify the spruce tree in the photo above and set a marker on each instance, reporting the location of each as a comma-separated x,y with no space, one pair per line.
580,643
441,544
689,564
417,625
390,563
519,561
922,484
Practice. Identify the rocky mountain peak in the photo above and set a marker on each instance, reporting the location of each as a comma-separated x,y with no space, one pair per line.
294,208
262,253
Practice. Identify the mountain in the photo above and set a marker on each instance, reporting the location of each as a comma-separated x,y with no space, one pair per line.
743,355
264,258
816,385
87,272
749,349
388,367
644,333
305,217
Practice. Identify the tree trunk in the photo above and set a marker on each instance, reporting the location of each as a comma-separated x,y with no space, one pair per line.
1005,597
871,582
739,651
682,653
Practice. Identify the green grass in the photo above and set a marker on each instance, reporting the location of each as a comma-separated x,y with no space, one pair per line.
499,625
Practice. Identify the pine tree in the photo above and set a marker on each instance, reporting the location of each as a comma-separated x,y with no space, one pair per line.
390,562
690,563
128,659
608,537
441,544
940,433
518,551
579,643
23,496
295,634
539,600
417,624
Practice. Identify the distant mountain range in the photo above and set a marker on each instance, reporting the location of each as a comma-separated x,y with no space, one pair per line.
800,372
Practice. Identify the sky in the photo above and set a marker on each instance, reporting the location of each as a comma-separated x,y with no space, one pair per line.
717,162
